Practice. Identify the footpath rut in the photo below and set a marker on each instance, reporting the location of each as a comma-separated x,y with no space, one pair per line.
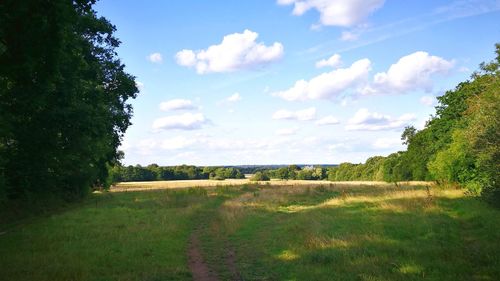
200,269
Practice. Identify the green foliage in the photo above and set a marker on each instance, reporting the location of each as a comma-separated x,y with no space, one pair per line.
285,173
483,130
408,134
63,99
455,163
154,172
260,176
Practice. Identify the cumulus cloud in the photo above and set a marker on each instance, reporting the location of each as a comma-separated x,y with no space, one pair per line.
155,58
428,100
234,97
365,120
333,61
186,58
186,121
336,12
410,73
287,131
300,115
328,120
177,104
237,51
330,84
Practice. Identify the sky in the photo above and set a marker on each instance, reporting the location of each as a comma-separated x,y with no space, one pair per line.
291,81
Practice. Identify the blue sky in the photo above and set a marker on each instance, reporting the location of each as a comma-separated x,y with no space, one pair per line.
291,81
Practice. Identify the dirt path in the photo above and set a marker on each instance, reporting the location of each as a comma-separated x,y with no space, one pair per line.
199,263
199,268
231,265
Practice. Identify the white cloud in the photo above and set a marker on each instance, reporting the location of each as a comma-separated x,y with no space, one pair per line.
177,104
333,61
386,143
410,73
428,100
300,115
328,120
237,51
176,143
186,58
234,97
155,58
349,36
287,131
186,121
330,84
373,121
336,12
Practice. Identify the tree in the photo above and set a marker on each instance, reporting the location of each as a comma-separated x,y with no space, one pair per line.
260,176
483,131
455,163
63,98
408,134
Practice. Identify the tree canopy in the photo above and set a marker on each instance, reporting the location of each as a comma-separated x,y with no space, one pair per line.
63,98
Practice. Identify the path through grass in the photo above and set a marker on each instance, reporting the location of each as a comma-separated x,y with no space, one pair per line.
329,232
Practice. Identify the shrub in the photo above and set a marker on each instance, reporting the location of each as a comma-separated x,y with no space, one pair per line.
260,176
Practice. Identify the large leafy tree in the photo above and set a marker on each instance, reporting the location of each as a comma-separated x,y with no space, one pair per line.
63,98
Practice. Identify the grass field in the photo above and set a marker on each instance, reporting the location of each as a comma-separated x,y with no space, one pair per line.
261,232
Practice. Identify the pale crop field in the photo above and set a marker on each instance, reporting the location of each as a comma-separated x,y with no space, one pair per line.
152,185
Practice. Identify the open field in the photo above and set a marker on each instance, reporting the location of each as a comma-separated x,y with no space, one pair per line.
152,185
261,232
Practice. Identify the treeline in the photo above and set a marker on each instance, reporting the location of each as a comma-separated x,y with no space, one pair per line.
460,144
63,99
154,172
252,169
295,172
376,168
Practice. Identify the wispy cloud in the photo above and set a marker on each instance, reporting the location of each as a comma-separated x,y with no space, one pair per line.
379,33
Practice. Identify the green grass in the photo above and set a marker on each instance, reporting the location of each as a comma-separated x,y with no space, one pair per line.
126,236
276,232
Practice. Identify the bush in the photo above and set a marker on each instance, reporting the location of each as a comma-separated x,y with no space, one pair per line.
260,176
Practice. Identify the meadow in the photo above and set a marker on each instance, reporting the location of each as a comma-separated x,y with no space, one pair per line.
293,230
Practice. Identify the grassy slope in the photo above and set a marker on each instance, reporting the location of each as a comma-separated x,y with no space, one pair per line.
127,236
277,233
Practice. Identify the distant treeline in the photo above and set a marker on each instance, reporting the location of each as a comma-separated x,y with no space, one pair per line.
252,169
376,168
183,172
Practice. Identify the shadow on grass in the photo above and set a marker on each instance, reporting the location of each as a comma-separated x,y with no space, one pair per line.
391,239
